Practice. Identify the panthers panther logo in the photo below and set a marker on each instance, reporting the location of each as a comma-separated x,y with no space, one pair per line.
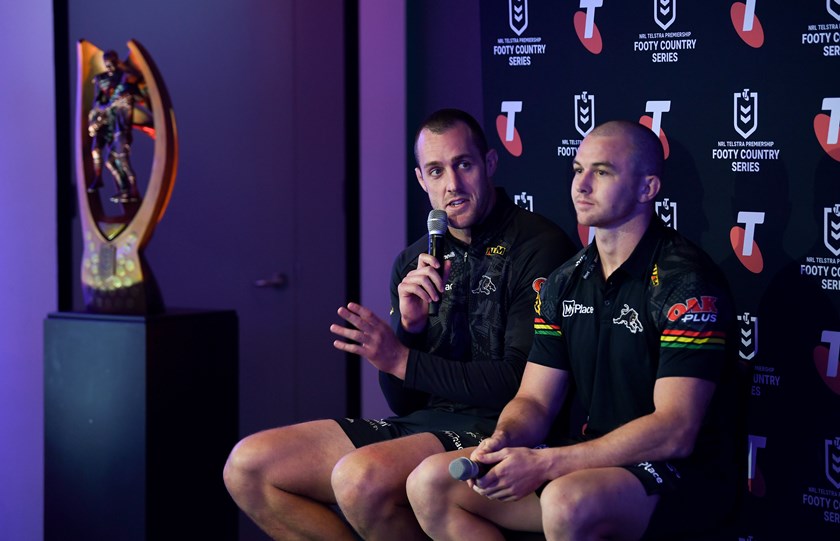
630,319
485,285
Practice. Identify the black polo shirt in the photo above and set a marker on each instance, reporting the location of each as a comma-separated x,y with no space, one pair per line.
664,312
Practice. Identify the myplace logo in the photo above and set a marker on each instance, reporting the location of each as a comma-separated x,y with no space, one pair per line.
570,308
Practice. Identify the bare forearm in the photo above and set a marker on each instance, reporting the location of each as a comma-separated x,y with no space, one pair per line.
523,423
647,438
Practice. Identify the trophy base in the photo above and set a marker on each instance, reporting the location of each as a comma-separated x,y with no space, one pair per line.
138,413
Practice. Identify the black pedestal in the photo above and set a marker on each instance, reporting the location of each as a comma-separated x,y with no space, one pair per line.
139,415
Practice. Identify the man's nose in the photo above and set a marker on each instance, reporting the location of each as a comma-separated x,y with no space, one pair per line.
581,182
454,180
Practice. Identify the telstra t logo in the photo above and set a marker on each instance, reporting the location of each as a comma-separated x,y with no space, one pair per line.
746,23
654,122
506,127
827,127
827,359
585,27
755,481
743,241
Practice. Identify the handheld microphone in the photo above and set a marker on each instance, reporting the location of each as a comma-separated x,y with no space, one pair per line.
437,224
462,468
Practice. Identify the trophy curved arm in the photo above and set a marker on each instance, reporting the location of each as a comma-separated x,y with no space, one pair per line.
115,276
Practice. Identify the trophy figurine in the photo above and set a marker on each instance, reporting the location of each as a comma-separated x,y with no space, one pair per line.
116,97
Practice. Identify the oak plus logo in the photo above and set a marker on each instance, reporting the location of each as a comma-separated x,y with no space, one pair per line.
755,479
667,212
506,127
743,241
746,23
831,229
585,27
826,359
827,127
524,200
518,15
745,112
654,121
664,13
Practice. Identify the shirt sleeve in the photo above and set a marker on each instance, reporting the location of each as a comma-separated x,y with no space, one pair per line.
549,348
401,399
695,320
493,382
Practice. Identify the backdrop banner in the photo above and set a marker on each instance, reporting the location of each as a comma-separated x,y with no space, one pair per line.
745,97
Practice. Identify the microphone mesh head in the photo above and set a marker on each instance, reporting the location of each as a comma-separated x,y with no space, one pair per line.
462,468
437,222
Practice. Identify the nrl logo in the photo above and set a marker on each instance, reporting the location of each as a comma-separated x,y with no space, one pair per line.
518,15
524,200
831,229
748,346
584,113
832,461
667,212
664,13
833,7
745,114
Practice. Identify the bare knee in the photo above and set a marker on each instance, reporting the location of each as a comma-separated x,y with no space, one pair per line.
427,486
244,465
367,490
566,511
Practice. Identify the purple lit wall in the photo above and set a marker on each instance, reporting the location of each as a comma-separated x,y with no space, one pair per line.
383,169
27,255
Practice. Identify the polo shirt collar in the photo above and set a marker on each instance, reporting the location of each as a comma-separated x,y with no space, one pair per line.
638,264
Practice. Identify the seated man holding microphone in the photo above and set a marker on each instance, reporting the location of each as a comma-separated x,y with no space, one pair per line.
638,325
446,376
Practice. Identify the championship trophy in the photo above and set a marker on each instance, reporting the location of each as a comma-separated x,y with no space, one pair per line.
114,98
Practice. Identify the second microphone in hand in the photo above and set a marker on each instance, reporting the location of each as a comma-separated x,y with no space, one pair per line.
462,468
437,224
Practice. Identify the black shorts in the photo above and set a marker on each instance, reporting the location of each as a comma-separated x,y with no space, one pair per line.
692,497
455,431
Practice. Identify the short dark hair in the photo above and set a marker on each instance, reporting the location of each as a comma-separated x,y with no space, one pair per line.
444,119
648,154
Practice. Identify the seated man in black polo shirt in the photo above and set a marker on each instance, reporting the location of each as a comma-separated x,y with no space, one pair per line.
637,324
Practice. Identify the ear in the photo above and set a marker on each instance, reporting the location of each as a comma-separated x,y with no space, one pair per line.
649,188
491,160
420,179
